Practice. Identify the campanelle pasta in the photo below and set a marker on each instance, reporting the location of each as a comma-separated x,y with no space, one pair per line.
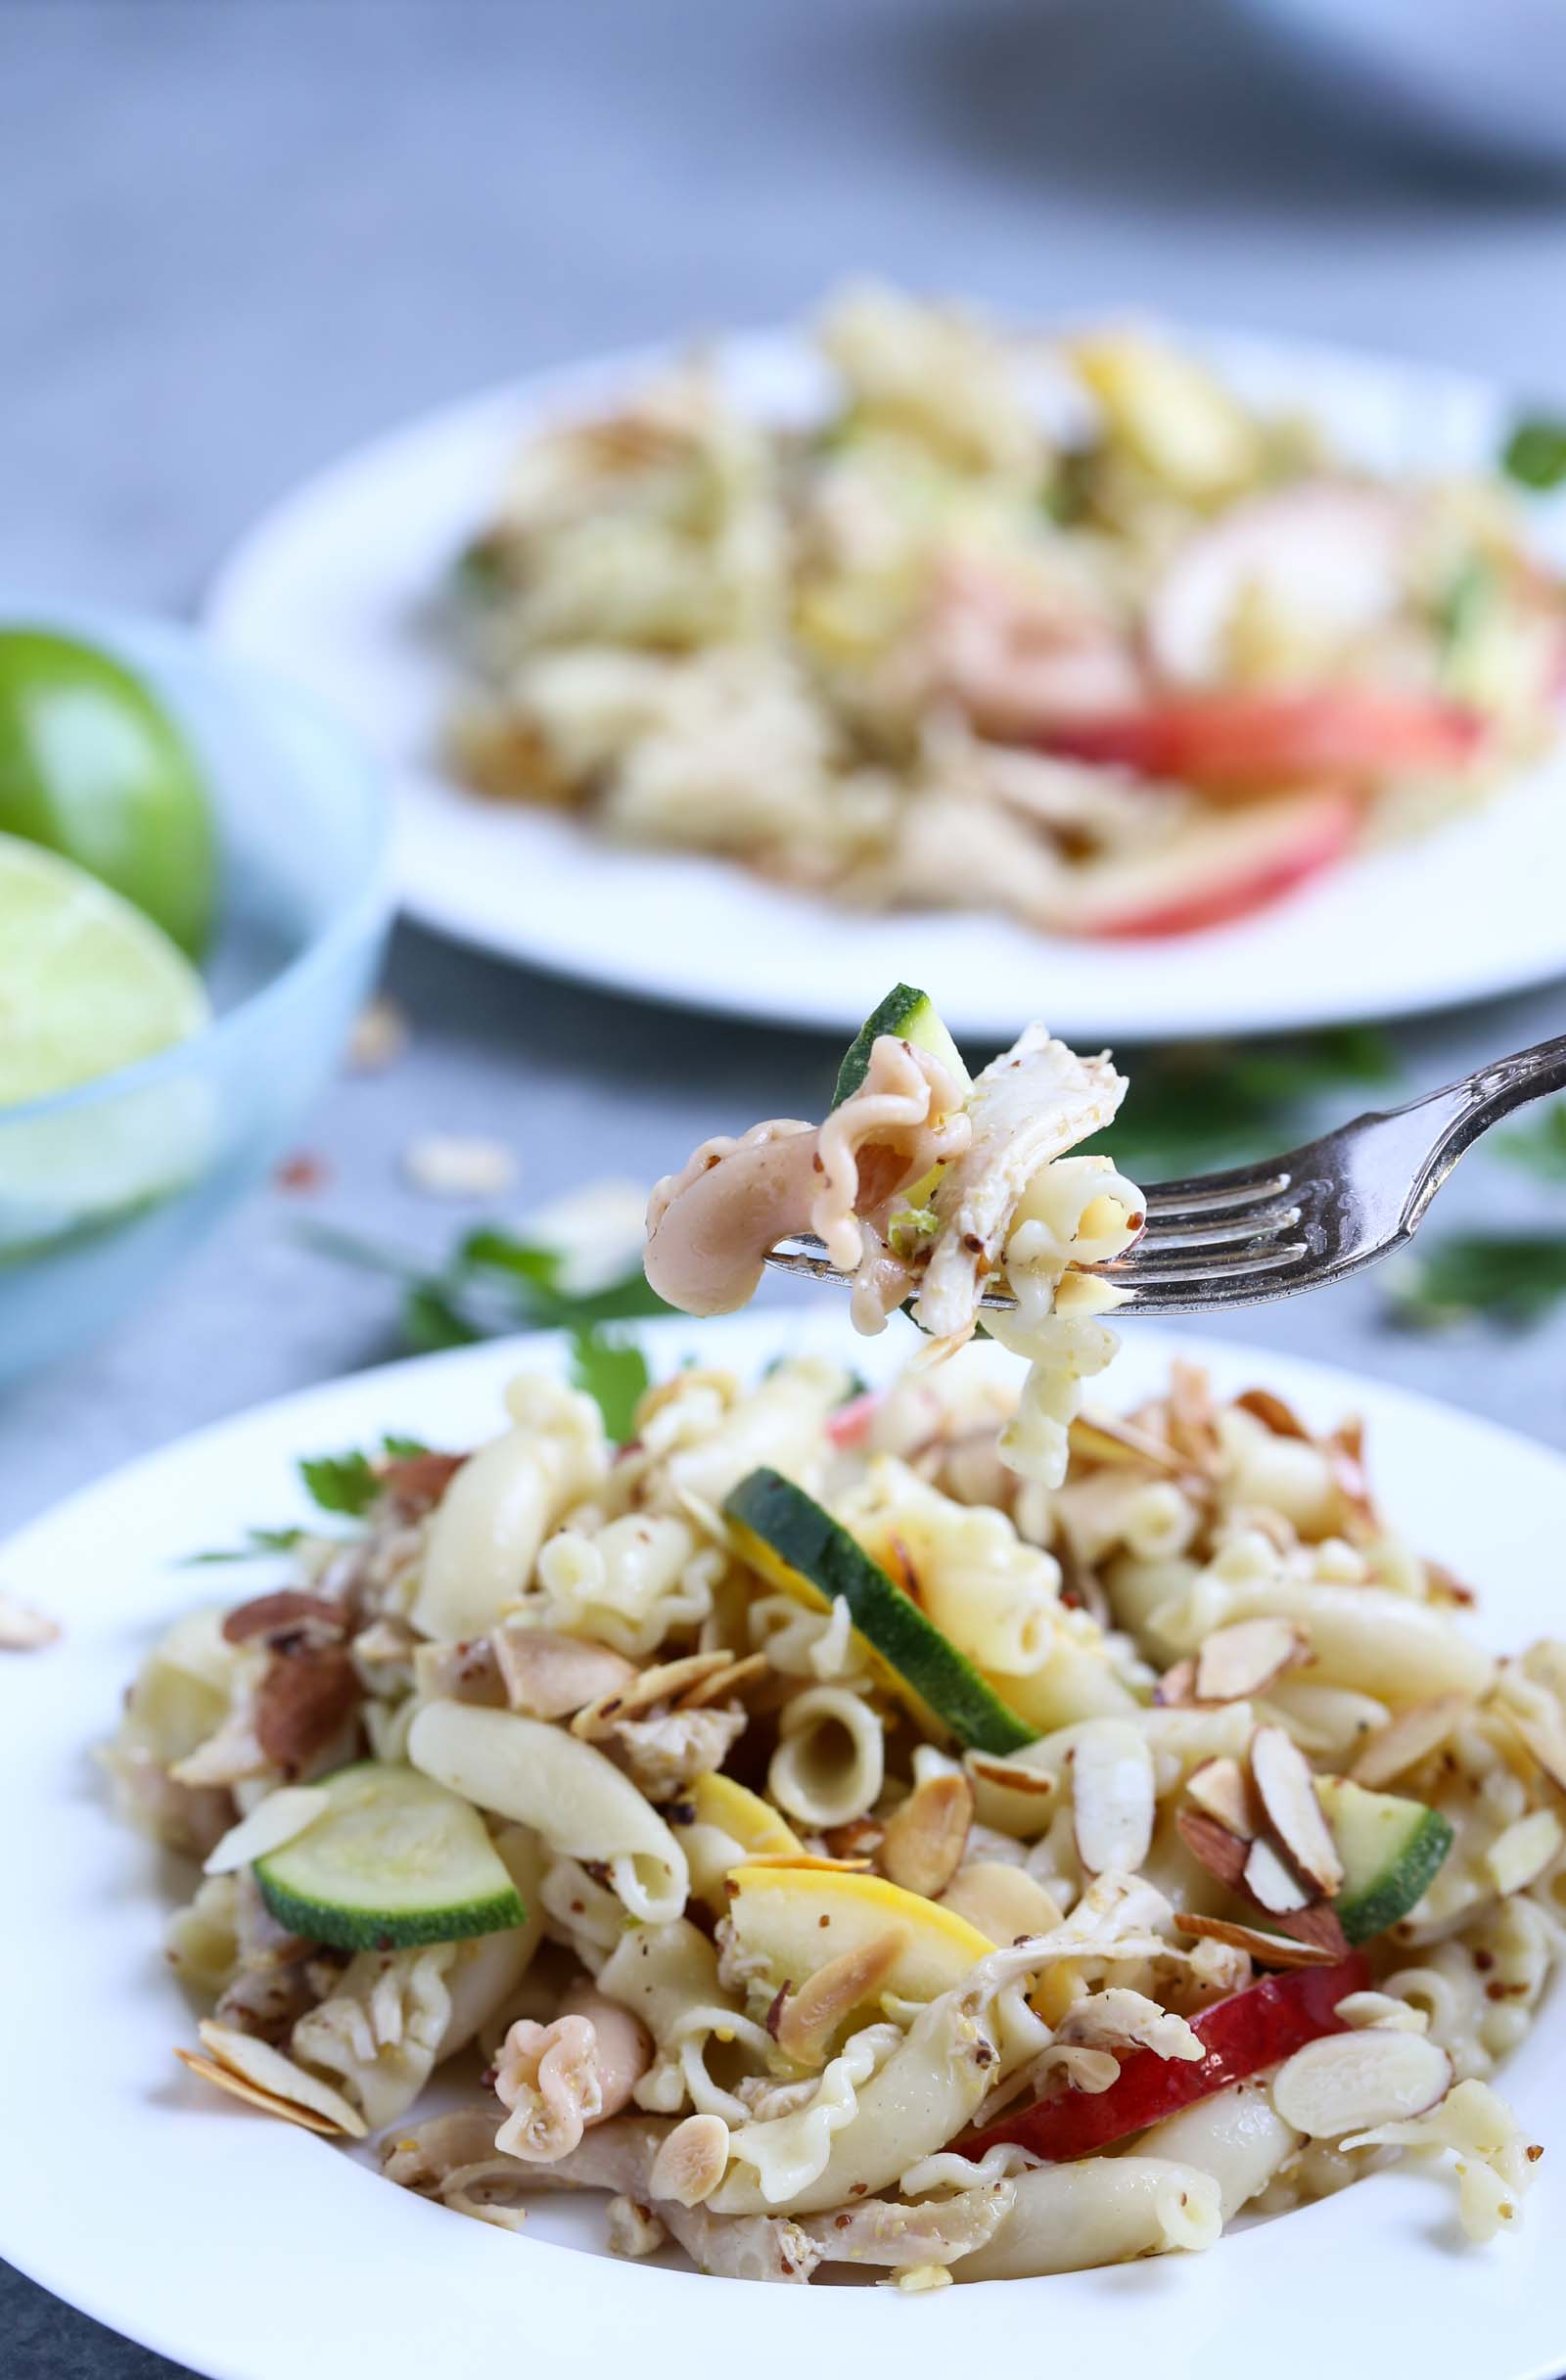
1022,1913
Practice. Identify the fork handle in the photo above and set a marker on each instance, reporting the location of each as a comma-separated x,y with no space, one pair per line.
1466,1110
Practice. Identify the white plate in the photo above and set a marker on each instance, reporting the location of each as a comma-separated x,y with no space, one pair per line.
335,588
251,2251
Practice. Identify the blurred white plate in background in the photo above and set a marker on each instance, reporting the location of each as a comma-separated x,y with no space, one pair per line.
335,588
251,2251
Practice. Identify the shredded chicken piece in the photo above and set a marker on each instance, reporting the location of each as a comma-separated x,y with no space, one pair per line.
1035,1101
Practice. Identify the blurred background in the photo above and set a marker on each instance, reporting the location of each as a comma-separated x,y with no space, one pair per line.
243,236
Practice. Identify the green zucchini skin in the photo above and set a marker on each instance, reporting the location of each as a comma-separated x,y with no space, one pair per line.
803,1539
383,1930
396,1862
911,1015
1392,1849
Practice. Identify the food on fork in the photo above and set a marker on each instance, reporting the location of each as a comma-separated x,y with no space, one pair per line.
1062,627
927,1186
836,1851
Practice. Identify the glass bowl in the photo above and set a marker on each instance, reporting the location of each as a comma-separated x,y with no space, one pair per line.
104,1188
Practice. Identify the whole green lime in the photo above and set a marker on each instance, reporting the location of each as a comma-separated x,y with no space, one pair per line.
92,767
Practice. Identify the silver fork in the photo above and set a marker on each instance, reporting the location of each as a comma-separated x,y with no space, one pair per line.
1301,1220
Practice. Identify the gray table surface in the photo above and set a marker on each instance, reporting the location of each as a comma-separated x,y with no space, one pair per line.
237,238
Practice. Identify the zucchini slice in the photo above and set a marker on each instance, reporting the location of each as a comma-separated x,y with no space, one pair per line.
797,1546
911,1016
1390,1848
393,1861
794,1920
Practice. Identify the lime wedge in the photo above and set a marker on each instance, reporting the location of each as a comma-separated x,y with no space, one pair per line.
92,767
87,984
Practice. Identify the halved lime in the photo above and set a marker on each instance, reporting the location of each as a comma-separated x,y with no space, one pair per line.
87,984
92,767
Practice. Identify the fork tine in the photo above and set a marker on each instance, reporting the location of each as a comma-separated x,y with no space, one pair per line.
1214,1193
1244,1227
1146,1265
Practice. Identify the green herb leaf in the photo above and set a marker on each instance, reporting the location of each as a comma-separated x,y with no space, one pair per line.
258,1545
340,1483
614,1373
1508,1277
401,1450
1535,454
1540,1147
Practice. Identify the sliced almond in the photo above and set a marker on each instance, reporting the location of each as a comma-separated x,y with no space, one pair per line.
1344,1451
665,1683
1270,1883
283,1613
267,2070
546,1675
305,1698
224,2079
1446,1587
466,1671
1105,1438
1268,1950
23,1628
1348,2081
1282,1778
1177,1688
1318,1925
1208,1840
1001,1901
279,1819
926,1837
1523,1850
1013,1776
1222,1789
1113,1802
1547,1750
1193,1419
690,2161
857,1838
1407,1739
735,1679
1238,1661
1272,1413
810,2015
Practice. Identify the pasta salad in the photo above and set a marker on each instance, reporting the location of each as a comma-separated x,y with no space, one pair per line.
942,1831
1061,627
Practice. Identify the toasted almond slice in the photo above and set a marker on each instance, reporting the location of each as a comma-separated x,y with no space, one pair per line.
283,1814
1107,1440
1238,1661
1347,2081
927,1835
1268,1950
855,1836
690,2161
723,1682
257,2062
1272,1413
547,1675
1113,1802
1013,1776
1544,1748
810,2015
1177,1687
1344,1451
1001,1901
1407,1739
1221,1788
665,1683
267,2101
23,1628
1318,1925
1208,1840
1270,1883
1282,1778
1193,1418
853,1868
